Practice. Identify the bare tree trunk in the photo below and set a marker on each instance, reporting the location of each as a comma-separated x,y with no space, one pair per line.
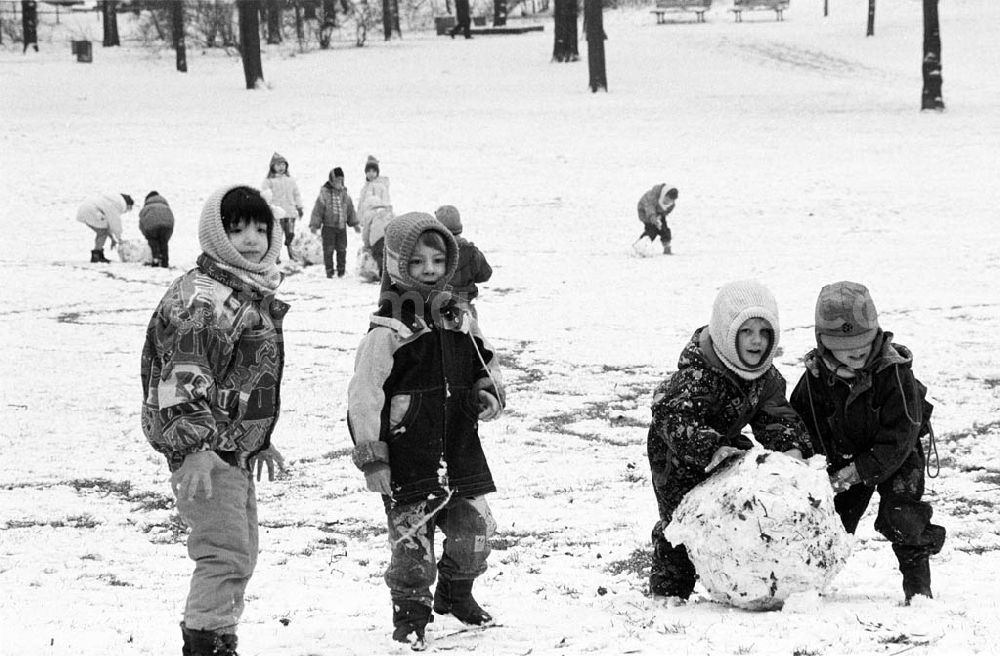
387,19
273,11
249,19
300,28
931,97
29,24
564,16
177,32
871,18
328,23
593,18
109,14
499,13
826,8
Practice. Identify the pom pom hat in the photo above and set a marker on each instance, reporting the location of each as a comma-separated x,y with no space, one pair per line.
401,235
735,303
845,316
448,215
372,164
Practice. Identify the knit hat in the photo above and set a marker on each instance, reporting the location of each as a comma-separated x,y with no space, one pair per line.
129,203
735,303
371,163
215,242
337,172
845,316
401,235
449,217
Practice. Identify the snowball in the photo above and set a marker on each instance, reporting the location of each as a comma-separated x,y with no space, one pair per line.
307,248
762,528
135,250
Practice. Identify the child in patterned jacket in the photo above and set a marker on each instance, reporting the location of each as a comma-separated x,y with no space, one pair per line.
725,380
424,377
211,375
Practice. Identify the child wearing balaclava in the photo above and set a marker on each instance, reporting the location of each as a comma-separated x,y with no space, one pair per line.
424,377
866,412
725,380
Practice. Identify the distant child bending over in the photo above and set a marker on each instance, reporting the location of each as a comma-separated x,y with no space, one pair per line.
424,377
211,372
103,215
724,381
156,223
286,195
332,213
867,412
653,208
472,265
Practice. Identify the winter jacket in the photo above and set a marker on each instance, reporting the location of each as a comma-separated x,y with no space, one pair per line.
649,207
211,366
704,406
334,209
103,213
286,193
472,268
155,213
874,419
415,389
374,209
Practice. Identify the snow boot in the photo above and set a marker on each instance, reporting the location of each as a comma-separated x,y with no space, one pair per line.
672,573
410,617
455,597
207,643
97,255
666,248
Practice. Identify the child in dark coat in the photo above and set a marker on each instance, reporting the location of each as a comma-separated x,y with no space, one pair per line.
156,223
424,377
472,265
866,412
654,206
211,376
724,381
332,213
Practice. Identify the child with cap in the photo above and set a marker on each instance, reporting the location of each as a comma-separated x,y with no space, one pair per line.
285,194
424,376
374,209
725,380
866,412
653,208
472,265
332,213
103,215
211,372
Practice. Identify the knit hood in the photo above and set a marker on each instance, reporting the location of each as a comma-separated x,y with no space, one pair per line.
735,303
276,159
401,235
215,243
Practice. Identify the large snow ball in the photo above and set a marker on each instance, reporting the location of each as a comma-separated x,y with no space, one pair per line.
307,248
135,250
762,528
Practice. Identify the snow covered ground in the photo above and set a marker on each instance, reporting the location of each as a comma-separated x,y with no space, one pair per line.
801,159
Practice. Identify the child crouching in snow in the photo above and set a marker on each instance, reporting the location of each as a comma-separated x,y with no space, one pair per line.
424,377
211,372
724,381
867,412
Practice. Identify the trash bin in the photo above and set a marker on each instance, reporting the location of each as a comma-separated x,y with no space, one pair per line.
443,24
83,50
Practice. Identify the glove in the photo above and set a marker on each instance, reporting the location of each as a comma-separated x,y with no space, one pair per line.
377,478
722,454
196,472
269,457
844,478
489,406
357,228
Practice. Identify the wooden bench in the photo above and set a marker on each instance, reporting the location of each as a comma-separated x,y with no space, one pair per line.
699,7
777,6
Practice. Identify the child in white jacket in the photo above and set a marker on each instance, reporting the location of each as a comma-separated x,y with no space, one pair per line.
286,195
103,215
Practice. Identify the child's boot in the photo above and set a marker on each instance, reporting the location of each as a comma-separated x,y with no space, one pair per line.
916,578
97,255
410,618
666,248
455,597
207,643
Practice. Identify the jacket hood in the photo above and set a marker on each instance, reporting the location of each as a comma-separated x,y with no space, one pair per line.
276,159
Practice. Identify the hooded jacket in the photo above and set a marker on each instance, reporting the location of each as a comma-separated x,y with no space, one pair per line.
103,213
333,208
704,406
155,213
874,419
649,207
284,188
472,268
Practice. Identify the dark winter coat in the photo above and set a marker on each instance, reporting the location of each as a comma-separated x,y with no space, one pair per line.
704,406
211,366
649,208
472,268
327,211
155,214
415,387
874,419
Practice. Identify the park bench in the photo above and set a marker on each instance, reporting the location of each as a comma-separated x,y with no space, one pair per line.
699,7
777,6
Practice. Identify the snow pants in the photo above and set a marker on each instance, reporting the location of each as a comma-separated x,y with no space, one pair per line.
659,229
100,237
467,525
223,545
334,242
158,239
903,518
671,574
